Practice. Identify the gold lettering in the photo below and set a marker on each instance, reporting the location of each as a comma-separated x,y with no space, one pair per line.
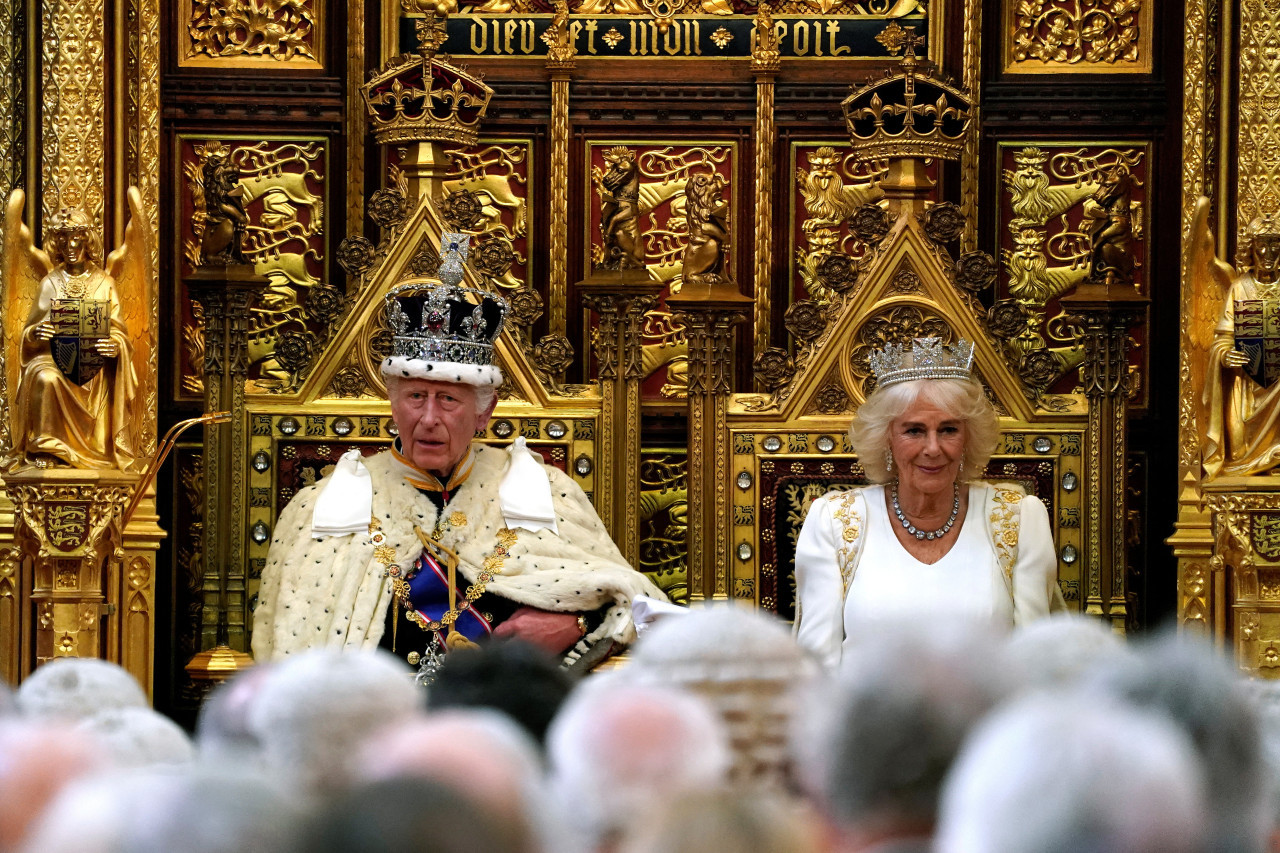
592,24
526,37
800,38
781,28
634,41
692,40
479,28
833,30
670,45
508,33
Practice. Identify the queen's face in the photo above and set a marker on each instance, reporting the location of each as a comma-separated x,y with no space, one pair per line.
928,446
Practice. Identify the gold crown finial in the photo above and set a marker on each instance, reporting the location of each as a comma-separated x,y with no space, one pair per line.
909,113
423,97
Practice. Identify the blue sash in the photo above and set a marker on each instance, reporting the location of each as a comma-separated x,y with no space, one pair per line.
429,595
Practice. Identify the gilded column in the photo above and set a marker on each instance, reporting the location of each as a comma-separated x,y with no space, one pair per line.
357,120
766,62
620,305
561,62
225,293
1105,315
709,314
1258,133
73,105
1192,541
972,82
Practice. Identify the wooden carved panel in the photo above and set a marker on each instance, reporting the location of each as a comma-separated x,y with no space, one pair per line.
828,185
1078,36
664,170
285,185
1049,204
250,34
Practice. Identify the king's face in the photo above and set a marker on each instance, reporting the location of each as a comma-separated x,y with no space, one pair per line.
437,421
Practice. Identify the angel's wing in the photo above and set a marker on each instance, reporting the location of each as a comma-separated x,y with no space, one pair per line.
24,266
130,266
1210,280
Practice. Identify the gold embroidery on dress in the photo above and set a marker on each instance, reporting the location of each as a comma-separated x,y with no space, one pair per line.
1004,527
845,512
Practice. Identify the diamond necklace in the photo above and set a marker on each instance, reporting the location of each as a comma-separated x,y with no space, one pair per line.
927,534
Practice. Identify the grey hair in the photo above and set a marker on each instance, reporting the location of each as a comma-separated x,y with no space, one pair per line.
1064,773
314,709
618,750
76,688
1204,696
961,398
881,745
485,394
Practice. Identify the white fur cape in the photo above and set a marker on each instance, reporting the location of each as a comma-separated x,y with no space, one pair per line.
332,592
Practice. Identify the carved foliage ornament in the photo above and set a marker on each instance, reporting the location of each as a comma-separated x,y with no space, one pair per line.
356,254
899,325
807,320
1076,31
280,31
774,367
943,222
838,272
870,223
553,354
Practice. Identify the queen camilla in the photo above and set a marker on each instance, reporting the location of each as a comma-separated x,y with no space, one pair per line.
928,539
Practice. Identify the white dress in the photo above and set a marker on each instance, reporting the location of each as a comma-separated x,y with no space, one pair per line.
851,569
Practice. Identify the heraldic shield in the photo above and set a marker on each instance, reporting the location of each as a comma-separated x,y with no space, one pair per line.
78,325
1258,337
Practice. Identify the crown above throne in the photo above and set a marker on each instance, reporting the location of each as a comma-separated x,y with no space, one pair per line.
908,113
423,97
926,358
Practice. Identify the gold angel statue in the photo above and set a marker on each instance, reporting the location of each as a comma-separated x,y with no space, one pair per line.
76,341
1235,340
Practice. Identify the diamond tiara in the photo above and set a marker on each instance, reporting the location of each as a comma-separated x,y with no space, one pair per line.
927,358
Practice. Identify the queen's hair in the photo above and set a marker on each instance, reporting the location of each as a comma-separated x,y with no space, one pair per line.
962,399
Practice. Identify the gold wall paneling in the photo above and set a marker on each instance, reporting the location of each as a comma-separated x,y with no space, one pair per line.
285,188
357,119
1257,121
73,76
1074,37
828,186
1043,221
246,34
1245,514
664,519
664,170
561,61
971,80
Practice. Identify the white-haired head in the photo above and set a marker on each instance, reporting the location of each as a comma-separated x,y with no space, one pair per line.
482,753
618,750
1062,774
877,746
747,665
1202,694
75,688
313,711
139,737
1059,652
195,810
